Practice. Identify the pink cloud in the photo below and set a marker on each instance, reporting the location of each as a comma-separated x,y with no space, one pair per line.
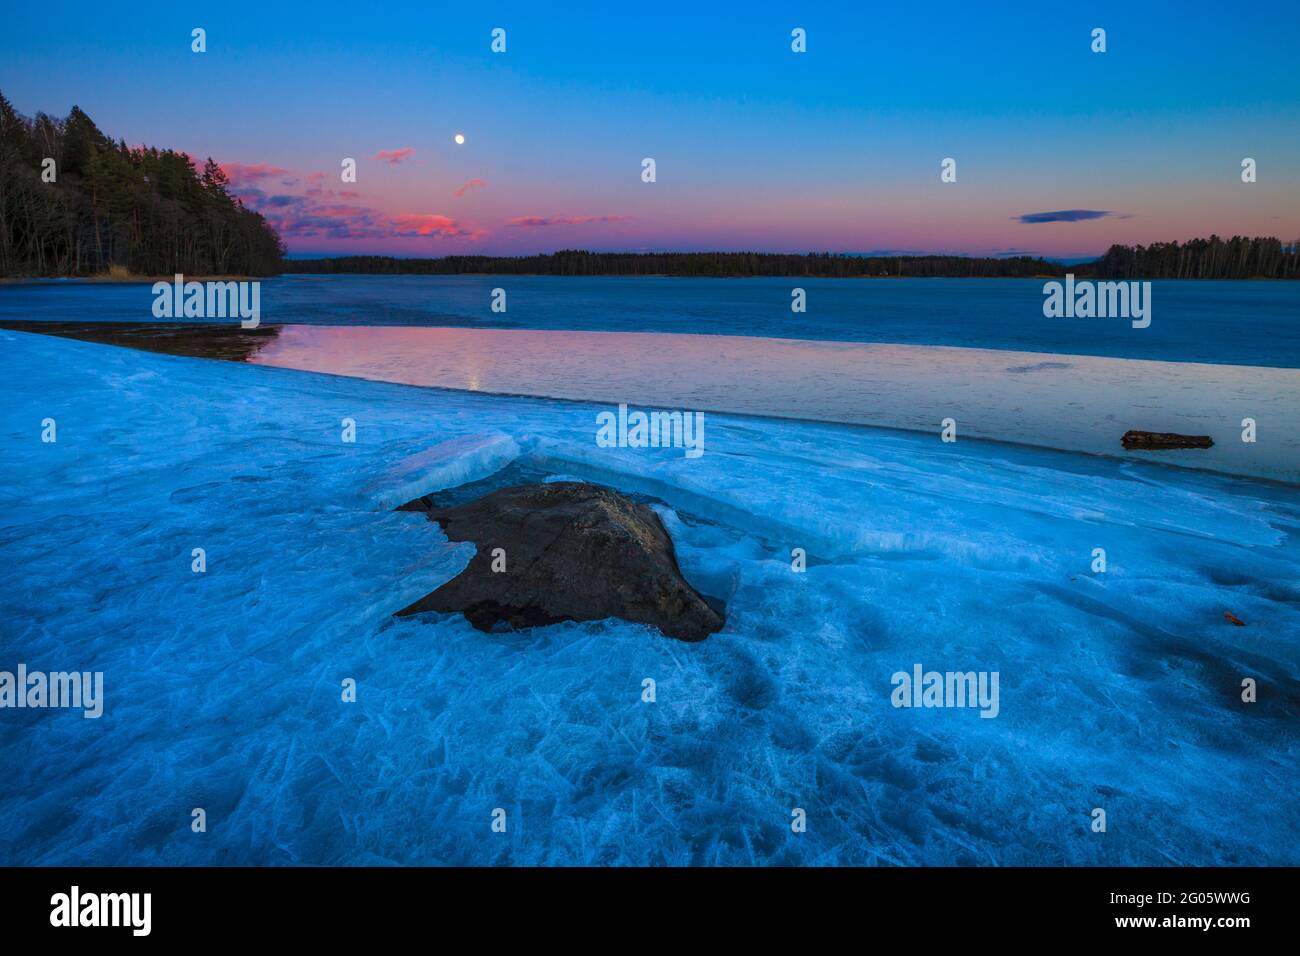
532,221
305,220
395,156
473,183
429,224
339,211
319,212
241,174
315,213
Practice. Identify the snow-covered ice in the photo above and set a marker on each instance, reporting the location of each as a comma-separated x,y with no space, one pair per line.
223,690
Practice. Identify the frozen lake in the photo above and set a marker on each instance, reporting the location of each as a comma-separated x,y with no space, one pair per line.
1119,690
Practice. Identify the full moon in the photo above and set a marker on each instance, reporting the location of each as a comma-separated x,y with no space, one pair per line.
460,139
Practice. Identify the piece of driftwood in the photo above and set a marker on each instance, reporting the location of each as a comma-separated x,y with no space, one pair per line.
1164,441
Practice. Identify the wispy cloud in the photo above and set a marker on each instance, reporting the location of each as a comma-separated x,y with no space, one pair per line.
241,174
430,224
319,212
535,221
300,217
472,184
394,156
280,201
1063,215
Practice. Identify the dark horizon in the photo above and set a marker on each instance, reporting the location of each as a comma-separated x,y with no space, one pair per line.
614,251
1213,258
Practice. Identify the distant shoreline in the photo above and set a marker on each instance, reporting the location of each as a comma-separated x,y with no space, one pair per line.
1238,258
291,273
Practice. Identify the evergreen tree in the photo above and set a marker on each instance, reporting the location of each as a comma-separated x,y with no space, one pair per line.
146,209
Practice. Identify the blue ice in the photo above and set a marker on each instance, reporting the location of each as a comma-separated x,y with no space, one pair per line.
1119,690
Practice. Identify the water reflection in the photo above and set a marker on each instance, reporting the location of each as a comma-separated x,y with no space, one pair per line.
1080,403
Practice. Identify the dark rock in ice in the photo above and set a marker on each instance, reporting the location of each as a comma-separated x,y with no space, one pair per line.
1164,441
573,552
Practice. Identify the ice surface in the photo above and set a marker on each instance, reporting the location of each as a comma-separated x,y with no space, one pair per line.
457,461
1118,690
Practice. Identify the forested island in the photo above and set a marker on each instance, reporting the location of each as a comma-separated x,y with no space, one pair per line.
138,208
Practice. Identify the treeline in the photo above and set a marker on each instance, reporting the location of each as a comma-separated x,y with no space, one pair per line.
1214,258
573,262
145,209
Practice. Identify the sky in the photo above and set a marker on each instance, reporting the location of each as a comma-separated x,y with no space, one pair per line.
1059,151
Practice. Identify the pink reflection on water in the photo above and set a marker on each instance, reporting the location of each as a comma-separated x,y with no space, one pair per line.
1081,403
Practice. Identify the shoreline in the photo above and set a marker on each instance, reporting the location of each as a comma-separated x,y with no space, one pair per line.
228,342
131,279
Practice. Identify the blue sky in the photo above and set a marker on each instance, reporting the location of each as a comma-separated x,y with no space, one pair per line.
756,146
